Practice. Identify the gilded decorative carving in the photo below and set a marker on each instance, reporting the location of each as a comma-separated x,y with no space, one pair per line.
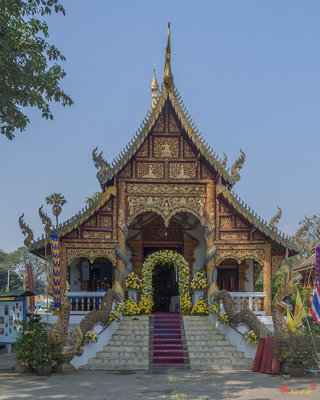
257,268
205,173
225,222
188,152
240,224
126,172
166,147
91,222
166,206
96,235
276,262
189,247
173,127
150,170
90,254
242,277
107,207
166,189
240,252
106,221
234,236
224,209
136,254
144,151
256,236
267,278
159,125
72,235
182,170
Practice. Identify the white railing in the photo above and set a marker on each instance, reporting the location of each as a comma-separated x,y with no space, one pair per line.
249,300
85,301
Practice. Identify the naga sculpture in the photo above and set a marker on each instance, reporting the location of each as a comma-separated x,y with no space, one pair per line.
275,220
101,164
246,316
224,160
237,166
26,231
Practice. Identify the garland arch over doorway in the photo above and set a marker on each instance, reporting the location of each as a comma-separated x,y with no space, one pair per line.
165,257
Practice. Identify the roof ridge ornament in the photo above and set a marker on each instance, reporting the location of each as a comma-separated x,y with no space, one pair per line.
275,220
237,166
168,77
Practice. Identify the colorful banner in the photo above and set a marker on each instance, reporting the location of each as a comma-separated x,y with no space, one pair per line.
317,268
56,270
315,306
30,286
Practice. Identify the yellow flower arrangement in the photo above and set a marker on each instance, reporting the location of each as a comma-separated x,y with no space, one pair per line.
200,308
214,309
90,337
199,281
165,257
132,281
224,319
115,314
130,307
251,337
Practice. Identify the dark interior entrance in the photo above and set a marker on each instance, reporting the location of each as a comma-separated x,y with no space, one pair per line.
228,279
163,280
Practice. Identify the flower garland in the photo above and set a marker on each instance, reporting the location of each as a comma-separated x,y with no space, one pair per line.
165,257
199,281
132,281
115,314
214,309
90,337
251,337
200,308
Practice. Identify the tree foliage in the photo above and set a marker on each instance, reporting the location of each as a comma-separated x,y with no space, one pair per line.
306,237
29,69
17,261
92,199
57,200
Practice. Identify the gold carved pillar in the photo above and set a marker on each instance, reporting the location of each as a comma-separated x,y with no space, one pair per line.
210,227
120,228
243,277
188,252
63,261
136,255
267,278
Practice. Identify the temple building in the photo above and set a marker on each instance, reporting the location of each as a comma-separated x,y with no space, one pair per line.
167,189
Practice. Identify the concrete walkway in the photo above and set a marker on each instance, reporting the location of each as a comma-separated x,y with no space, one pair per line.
154,385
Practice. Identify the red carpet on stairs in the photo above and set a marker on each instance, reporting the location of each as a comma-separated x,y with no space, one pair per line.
167,341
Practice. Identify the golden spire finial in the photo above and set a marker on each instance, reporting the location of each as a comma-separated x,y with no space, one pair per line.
168,77
154,87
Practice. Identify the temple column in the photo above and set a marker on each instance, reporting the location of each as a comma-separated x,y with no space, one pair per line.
188,252
267,278
210,234
120,230
136,255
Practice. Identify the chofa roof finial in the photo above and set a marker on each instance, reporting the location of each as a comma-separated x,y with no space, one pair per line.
168,77
154,88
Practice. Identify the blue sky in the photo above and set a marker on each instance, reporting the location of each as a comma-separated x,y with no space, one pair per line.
249,74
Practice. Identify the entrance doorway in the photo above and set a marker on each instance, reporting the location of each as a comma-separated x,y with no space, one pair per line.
228,279
164,281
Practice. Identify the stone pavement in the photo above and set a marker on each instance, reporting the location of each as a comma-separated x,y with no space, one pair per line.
153,385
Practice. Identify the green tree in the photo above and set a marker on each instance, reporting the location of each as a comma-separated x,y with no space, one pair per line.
17,261
92,199
306,237
29,69
57,200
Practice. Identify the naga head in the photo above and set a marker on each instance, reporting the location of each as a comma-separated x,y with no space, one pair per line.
285,291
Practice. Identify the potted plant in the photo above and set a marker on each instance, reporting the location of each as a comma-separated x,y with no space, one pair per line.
133,284
35,349
296,351
198,284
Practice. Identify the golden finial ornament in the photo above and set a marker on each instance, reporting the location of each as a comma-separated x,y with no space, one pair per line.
154,88
274,220
168,77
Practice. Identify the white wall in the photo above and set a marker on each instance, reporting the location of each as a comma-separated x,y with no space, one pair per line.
249,275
